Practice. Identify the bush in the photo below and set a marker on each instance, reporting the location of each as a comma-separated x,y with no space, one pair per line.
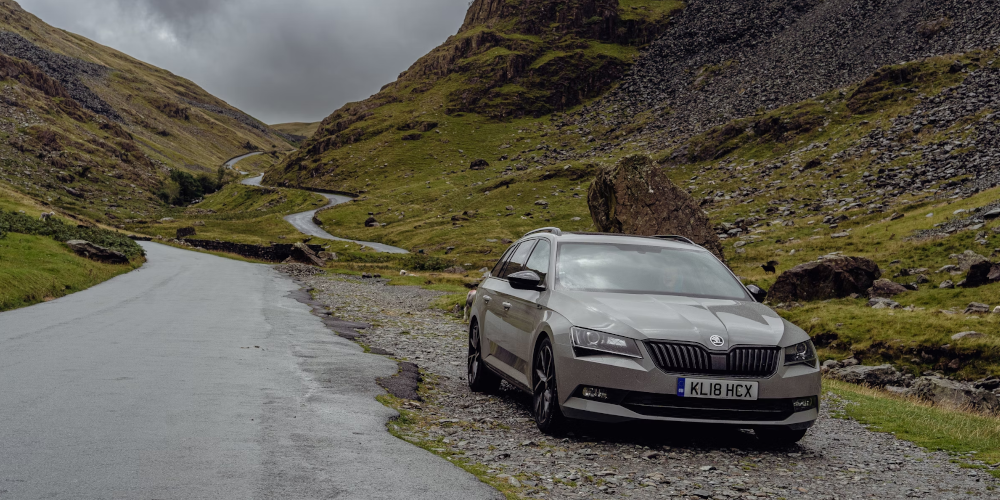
183,188
417,262
14,222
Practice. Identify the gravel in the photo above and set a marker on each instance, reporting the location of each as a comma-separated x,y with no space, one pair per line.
838,459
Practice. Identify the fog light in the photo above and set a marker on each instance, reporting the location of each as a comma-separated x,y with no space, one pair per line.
803,404
594,393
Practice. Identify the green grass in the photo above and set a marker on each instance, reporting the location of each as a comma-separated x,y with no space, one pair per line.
238,213
36,268
648,9
297,128
933,428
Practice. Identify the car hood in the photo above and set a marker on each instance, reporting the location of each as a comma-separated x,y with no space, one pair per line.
685,319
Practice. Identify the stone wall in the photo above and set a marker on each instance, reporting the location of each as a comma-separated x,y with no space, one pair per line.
276,252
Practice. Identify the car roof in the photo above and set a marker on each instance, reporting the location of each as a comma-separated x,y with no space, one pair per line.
679,243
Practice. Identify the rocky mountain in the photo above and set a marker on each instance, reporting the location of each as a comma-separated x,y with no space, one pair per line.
727,75
93,131
509,60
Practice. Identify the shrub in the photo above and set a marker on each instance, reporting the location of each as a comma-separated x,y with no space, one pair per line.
183,188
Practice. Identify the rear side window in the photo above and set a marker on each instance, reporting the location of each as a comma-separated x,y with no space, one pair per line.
503,260
539,260
517,259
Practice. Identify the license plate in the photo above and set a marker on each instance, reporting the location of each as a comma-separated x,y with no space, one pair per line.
716,389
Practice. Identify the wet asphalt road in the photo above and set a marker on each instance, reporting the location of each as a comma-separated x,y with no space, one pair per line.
198,377
303,221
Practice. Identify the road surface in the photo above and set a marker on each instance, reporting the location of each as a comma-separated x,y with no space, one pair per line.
303,221
231,164
198,377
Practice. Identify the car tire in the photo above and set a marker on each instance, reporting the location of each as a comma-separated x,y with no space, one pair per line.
481,378
545,394
779,436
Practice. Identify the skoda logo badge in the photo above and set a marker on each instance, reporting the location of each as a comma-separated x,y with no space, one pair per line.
717,341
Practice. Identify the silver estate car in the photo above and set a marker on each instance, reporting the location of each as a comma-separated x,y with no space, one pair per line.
616,328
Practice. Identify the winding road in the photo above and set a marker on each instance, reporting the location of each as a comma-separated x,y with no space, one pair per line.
303,221
231,164
199,377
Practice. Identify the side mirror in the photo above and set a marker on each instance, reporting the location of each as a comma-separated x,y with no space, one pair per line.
525,280
758,293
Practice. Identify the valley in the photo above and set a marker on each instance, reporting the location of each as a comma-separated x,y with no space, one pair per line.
806,131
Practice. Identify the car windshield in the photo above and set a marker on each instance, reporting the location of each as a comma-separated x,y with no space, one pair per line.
608,267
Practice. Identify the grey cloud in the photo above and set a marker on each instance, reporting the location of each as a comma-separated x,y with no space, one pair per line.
279,60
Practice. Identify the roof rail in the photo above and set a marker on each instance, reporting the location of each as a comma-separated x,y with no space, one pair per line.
675,238
554,230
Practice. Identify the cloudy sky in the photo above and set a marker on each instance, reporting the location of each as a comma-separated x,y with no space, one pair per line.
279,60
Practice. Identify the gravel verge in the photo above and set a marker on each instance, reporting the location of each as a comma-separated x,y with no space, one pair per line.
838,459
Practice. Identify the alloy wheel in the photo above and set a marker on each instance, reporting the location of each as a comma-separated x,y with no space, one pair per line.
545,385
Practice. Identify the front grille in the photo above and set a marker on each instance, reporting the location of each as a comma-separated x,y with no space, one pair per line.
691,358
666,405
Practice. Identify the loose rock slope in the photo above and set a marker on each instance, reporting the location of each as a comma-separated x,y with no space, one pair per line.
720,61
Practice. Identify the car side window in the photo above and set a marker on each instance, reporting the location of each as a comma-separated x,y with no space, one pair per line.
539,260
518,258
503,260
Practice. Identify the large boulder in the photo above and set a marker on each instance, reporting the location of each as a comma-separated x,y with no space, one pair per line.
981,273
97,252
184,232
634,197
967,259
831,278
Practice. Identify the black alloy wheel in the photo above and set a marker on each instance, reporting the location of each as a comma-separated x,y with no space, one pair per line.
481,379
548,417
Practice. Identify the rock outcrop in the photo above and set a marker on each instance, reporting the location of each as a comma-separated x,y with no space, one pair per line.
940,390
932,387
885,289
831,278
97,252
635,197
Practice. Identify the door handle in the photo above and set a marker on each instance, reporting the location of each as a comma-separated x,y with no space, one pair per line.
506,306
487,299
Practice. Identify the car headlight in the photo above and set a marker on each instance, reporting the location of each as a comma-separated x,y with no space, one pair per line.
604,342
801,354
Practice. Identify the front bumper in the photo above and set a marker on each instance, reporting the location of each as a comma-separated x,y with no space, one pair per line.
639,390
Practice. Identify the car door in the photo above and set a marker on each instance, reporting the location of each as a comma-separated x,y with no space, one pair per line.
491,324
502,345
527,306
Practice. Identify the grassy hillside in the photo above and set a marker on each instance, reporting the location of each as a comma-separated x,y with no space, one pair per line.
243,214
487,93
95,132
298,131
878,168
38,268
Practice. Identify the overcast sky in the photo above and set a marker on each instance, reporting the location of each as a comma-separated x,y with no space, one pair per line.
279,60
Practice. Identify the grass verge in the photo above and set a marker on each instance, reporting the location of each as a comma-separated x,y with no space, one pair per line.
409,425
37,269
970,436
